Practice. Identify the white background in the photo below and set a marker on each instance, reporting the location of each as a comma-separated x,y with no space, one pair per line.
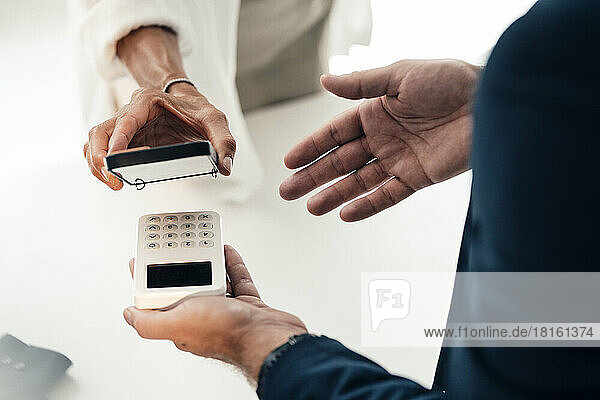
66,239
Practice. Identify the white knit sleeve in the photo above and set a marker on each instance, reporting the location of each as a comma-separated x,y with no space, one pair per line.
107,21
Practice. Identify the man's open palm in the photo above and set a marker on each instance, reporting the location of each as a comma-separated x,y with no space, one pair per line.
415,130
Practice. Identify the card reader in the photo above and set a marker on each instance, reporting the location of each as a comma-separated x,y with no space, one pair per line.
178,254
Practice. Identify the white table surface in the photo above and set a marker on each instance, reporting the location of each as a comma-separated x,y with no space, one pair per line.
67,239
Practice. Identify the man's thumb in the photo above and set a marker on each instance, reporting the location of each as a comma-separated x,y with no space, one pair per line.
365,84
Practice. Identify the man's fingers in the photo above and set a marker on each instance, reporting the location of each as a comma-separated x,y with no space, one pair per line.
339,162
387,195
370,83
217,132
341,129
357,183
152,324
241,282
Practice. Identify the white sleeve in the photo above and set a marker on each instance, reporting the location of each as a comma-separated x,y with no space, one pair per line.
107,21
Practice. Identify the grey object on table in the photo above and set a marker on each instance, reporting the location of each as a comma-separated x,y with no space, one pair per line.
28,372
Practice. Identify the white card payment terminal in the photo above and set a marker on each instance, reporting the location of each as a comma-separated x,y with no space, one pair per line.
178,254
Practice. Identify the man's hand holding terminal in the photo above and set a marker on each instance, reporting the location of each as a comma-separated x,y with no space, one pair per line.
240,330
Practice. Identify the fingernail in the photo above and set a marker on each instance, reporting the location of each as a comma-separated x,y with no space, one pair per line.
127,315
105,174
227,163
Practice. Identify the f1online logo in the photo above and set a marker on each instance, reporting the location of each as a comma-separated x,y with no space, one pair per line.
388,299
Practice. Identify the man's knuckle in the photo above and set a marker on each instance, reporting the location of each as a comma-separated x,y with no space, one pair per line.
334,134
388,196
378,168
356,77
360,181
336,163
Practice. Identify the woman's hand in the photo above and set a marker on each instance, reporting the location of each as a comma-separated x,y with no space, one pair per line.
153,118
240,330
414,131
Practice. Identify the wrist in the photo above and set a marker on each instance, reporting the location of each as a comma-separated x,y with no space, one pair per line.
151,54
255,344
181,89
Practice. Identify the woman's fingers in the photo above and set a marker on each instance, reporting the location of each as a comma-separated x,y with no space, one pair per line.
88,158
116,134
339,162
357,183
341,129
131,118
217,132
390,193
95,151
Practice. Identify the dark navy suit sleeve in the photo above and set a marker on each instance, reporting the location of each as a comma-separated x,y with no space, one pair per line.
321,368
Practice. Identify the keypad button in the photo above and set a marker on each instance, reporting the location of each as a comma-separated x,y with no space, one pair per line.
151,228
5,360
170,245
207,243
20,366
152,245
188,226
204,217
205,225
170,218
187,217
153,219
170,227
206,234
188,244
152,236
170,235
188,235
